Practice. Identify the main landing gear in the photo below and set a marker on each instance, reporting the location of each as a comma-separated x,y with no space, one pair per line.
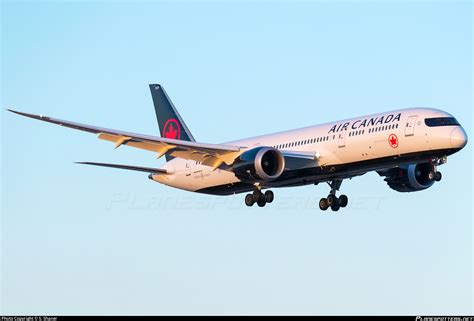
258,197
332,201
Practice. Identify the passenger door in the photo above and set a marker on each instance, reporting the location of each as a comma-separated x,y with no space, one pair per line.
187,168
410,126
342,139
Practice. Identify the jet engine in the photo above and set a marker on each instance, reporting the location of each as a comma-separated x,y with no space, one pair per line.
411,178
259,164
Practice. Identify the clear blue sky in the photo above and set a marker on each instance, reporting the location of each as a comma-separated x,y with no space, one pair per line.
82,240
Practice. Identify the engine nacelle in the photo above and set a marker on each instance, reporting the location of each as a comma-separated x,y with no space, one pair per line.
411,178
260,164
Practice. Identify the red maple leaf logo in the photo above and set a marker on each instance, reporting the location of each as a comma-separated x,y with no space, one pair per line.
171,132
171,129
393,140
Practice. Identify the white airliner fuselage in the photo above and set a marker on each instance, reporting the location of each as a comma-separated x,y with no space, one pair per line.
396,142
405,146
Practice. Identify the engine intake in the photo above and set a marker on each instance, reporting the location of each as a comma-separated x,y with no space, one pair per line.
411,178
261,164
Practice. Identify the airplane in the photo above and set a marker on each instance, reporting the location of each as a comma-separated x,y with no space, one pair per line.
404,146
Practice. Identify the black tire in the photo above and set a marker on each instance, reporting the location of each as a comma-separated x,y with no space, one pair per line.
438,176
249,200
323,204
257,195
335,207
261,203
269,196
332,199
343,200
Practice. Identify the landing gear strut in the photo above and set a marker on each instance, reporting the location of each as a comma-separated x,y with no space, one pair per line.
332,201
258,197
437,162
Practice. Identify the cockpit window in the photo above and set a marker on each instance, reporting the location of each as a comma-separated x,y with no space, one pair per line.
441,121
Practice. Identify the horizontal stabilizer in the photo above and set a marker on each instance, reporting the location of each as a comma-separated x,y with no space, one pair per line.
131,168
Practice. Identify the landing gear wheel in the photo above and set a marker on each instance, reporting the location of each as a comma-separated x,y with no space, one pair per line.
431,175
249,201
257,195
332,199
438,176
269,196
323,204
261,203
343,200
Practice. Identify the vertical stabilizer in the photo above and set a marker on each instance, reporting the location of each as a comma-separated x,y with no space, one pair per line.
169,121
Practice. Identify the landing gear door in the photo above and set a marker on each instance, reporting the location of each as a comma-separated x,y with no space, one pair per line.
410,126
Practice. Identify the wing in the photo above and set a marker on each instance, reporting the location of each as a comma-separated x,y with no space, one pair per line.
298,160
212,155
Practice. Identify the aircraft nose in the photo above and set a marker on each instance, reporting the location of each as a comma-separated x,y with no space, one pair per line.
458,137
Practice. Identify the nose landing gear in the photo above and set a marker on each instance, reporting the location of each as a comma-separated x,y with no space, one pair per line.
332,201
258,197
